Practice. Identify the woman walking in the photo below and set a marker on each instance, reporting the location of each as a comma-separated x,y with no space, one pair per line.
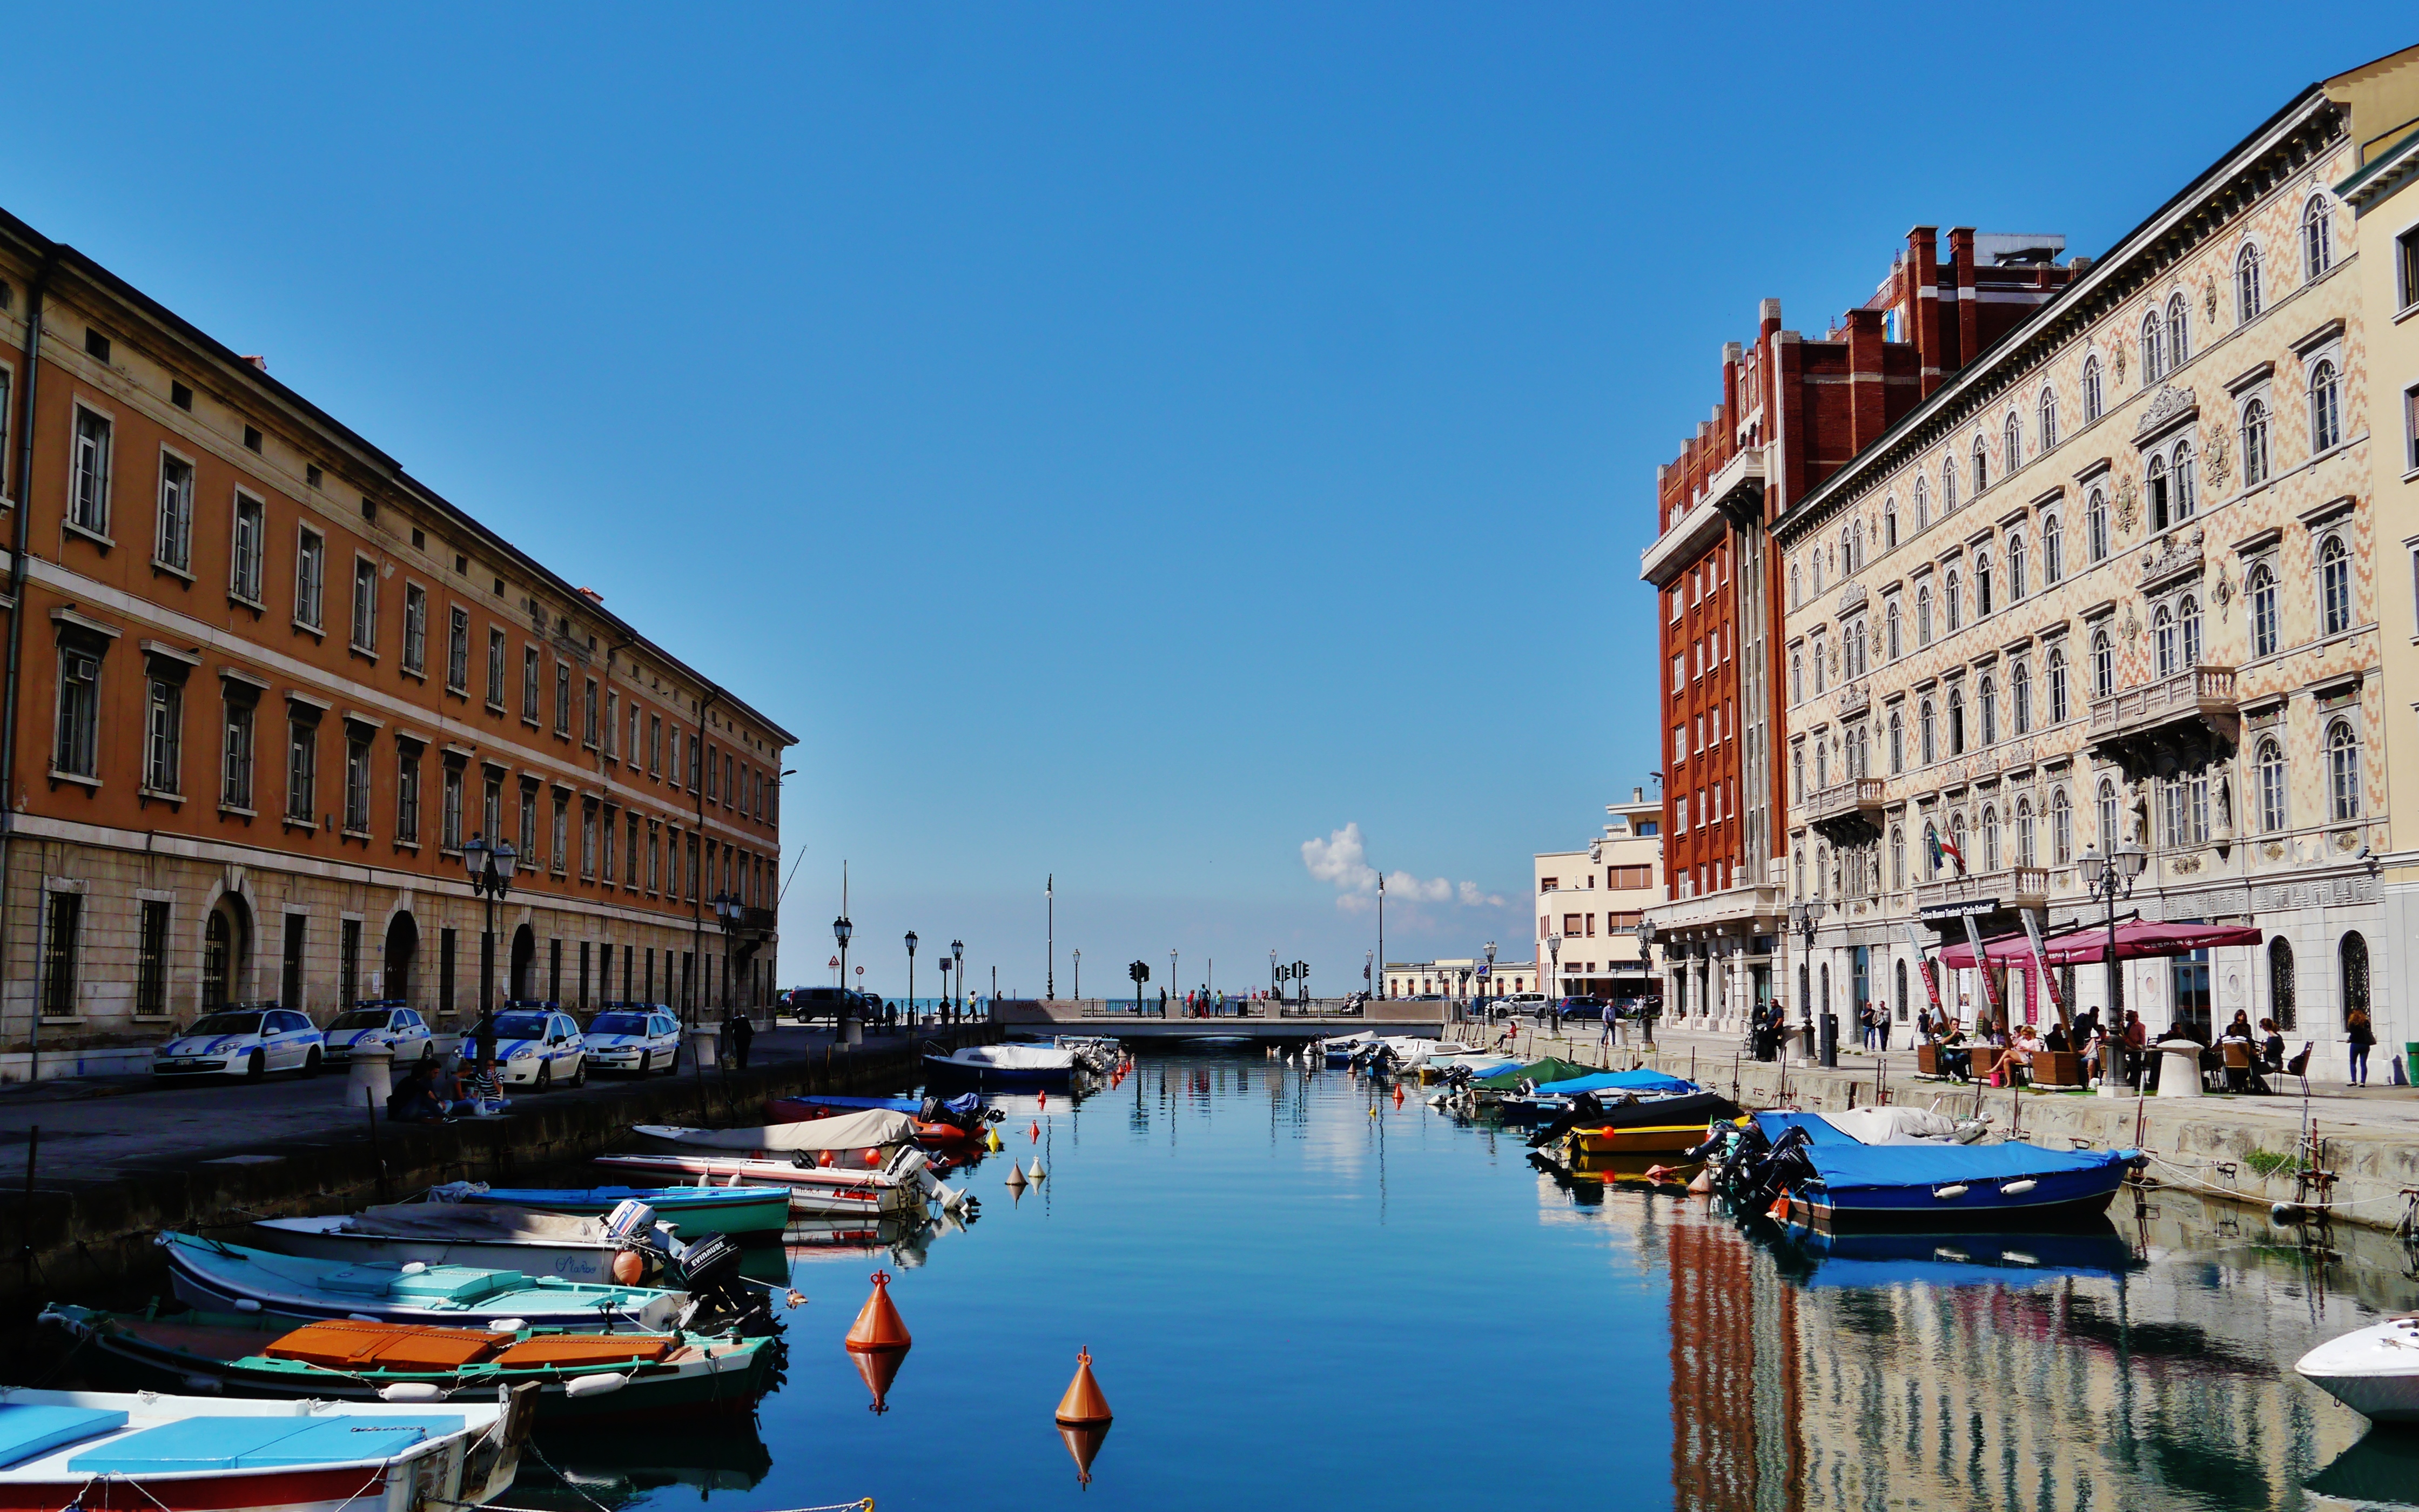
2361,1036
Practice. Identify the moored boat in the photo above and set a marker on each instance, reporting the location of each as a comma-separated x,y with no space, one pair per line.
955,1121
477,1234
144,1452
2374,1370
1049,1067
648,1377
692,1212
867,1139
815,1191
1847,1187
220,1277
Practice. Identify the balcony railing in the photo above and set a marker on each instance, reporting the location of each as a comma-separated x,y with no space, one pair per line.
1855,804
1757,905
2015,887
2184,720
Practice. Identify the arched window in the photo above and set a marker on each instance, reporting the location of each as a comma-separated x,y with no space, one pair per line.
1923,615
2267,771
1957,838
2326,408
2354,953
1956,722
2016,567
2246,283
2317,237
1931,732
2103,666
1902,978
1797,677
2053,552
2109,835
1815,572
1889,523
2154,483
2095,526
2187,483
2020,698
1897,742
2092,392
1923,503
2014,430
2255,443
1796,597
2284,991
2188,629
1956,603
1986,702
1949,484
2046,409
1981,583
2334,586
1821,663
2061,829
1822,764
2343,770
1990,837
2178,327
1895,645
2261,591
2163,644
2153,349
2058,690
1847,551
1982,467
2025,852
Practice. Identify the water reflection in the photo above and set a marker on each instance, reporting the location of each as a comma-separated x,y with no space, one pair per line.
578,1469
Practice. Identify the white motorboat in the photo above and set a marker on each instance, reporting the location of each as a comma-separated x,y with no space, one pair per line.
1006,1065
484,1236
844,1189
227,1278
1340,1049
2374,1372
865,1139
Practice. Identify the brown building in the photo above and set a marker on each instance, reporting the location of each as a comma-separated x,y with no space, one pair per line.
1793,412
261,685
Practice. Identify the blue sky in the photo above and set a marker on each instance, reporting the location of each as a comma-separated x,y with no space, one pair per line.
1123,441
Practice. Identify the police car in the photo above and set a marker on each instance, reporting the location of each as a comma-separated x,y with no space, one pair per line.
243,1040
536,1047
387,1025
635,1036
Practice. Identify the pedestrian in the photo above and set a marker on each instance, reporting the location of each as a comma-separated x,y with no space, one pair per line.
743,1034
1881,1029
2136,1038
2360,1036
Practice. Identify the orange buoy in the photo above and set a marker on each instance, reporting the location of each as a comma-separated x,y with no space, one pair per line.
879,1367
1398,1096
872,1157
878,1325
1036,1133
1041,1099
628,1269
1083,1406
824,1159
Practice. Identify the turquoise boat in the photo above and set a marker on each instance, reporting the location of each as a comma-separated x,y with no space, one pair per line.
693,1211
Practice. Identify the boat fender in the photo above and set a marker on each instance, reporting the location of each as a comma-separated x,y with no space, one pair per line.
247,1305
611,1380
206,1386
507,1325
1950,1193
2017,1188
410,1391
364,1318
414,1267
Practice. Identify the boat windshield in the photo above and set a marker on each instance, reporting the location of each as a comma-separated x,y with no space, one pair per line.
361,1018
520,1025
227,1023
619,1024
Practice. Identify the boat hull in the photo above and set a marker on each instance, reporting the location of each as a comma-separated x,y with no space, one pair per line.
814,1192
971,1073
806,1110
1643,1140
2057,1200
226,1279
305,1239
692,1212
2374,1372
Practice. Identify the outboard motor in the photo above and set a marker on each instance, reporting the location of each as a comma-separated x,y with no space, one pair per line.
710,1273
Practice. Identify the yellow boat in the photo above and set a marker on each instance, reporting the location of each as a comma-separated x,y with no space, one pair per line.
1650,1139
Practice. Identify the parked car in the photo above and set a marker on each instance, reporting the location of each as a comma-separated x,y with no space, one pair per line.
1587,1008
398,1028
536,1048
634,1036
809,1003
247,1040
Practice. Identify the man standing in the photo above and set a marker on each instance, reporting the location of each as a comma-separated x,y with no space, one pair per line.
743,1034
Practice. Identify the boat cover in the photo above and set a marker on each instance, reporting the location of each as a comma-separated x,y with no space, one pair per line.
1551,1069
221,1444
350,1344
848,1131
30,1428
1847,1168
1616,1081
1011,1058
962,1104
476,1223
1864,1126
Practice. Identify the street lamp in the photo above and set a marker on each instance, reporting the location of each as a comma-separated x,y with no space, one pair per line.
911,975
1644,929
1079,973
1806,917
2111,878
1171,971
1496,986
726,914
841,929
1555,965
491,877
958,953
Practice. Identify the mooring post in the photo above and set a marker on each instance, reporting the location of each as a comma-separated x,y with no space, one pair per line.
377,1153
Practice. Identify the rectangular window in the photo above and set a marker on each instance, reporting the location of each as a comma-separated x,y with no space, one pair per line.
612,713
406,794
672,765
348,963
301,770
654,857
172,546
89,492
310,578
611,827
2410,428
59,942
77,748
588,842
529,825
8,389
630,873
495,668
587,729
691,893
357,782
449,818
458,651
563,697
151,963
729,792
559,856
364,605
163,737
529,683
654,743
234,756
694,747
2405,266
290,987
251,541
415,628
713,777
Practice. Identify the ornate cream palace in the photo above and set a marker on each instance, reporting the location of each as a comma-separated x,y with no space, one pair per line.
2115,581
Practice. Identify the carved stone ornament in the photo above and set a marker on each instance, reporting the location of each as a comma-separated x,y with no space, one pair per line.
2133,626
2223,591
2209,300
2127,500
2169,402
2214,454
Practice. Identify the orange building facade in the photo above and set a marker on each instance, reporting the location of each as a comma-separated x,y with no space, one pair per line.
261,685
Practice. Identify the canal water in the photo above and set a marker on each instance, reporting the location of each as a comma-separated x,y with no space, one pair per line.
1299,1294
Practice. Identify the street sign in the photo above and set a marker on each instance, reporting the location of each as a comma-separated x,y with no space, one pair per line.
833,963
1966,908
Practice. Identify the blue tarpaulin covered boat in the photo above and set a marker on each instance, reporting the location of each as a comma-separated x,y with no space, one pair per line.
1948,1188
1644,1082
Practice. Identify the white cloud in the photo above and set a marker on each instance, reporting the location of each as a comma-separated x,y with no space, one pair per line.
1342,860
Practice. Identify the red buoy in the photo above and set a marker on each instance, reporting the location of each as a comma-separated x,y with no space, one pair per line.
1083,1406
878,1325
1041,1099
1036,1133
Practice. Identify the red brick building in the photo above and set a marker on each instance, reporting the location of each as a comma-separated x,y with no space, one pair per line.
1792,412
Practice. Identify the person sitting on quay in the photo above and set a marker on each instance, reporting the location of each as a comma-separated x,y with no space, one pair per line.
474,1092
2137,1040
414,1098
1956,1055
2272,1048
2022,1046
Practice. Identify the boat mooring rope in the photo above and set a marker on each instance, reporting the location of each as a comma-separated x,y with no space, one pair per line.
2252,1198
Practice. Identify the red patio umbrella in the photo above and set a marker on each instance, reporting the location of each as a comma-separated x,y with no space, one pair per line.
2087,944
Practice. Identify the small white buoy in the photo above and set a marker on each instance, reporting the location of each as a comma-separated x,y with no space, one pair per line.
247,1305
414,1267
1038,1172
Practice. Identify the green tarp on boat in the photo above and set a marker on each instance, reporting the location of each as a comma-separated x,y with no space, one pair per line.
1552,1068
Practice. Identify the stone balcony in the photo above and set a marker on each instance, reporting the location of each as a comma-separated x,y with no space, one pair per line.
1986,892
2178,723
1749,908
1848,812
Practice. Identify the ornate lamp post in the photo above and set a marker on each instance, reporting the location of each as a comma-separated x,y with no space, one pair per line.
1079,973
1806,917
841,929
1645,932
1494,989
1553,967
2111,879
958,956
491,870
911,975
726,914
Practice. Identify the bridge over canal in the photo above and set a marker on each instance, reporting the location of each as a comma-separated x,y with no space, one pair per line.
1263,1022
